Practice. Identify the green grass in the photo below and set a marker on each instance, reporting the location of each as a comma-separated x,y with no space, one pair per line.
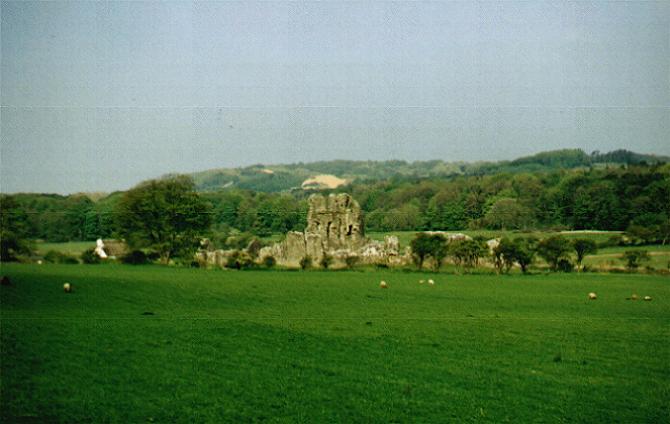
74,248
150,343
611,257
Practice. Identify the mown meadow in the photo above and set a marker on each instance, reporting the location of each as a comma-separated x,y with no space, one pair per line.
164,344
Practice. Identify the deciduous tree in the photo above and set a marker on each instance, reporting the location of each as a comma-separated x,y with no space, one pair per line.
166,215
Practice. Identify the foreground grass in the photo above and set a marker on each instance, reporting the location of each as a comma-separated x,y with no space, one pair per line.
162,344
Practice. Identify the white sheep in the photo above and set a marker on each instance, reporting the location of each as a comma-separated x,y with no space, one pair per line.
431,282
592,296
421,281
383,285
67,288
647,298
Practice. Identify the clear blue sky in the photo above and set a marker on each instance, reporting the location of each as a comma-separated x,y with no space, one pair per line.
97,96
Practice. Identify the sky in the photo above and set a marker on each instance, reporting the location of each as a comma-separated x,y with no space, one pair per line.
98,96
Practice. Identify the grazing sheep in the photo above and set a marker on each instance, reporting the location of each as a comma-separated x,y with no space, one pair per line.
67,288
647,298
39,262
633,297
383,285
592,296
421,281
431,282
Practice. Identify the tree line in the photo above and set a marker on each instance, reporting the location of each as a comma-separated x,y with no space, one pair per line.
634,198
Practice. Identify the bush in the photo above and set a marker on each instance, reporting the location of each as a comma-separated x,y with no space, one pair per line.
634,257
254,247
56,257
381,264
13,248
89,256
135,257
239,260
351,261
269,262
326,261
612,241
564,265
306,262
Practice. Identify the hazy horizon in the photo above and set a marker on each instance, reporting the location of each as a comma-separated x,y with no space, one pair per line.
100,96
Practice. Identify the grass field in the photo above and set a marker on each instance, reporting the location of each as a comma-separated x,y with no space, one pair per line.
150,343
74,248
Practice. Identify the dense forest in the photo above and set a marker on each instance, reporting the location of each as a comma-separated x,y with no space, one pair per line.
585,197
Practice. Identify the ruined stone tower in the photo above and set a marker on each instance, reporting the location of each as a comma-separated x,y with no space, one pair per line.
337,219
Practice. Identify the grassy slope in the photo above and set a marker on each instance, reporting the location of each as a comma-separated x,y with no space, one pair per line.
74,248
331,346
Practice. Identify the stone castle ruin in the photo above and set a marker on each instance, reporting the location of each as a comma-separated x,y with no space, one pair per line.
335,227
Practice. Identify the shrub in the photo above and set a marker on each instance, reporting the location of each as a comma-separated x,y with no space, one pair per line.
13,248
89,256
351,261
269,261
56,257
306,262
634,257
564,265
239,260
254,247
381,264
326,261
612,241
135,257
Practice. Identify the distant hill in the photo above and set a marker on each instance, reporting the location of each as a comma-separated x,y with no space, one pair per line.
277,178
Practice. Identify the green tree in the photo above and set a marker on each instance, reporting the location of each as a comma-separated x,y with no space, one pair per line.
467,252
553,249
508,214
428,245
166,215
582,248
523,251
13,230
